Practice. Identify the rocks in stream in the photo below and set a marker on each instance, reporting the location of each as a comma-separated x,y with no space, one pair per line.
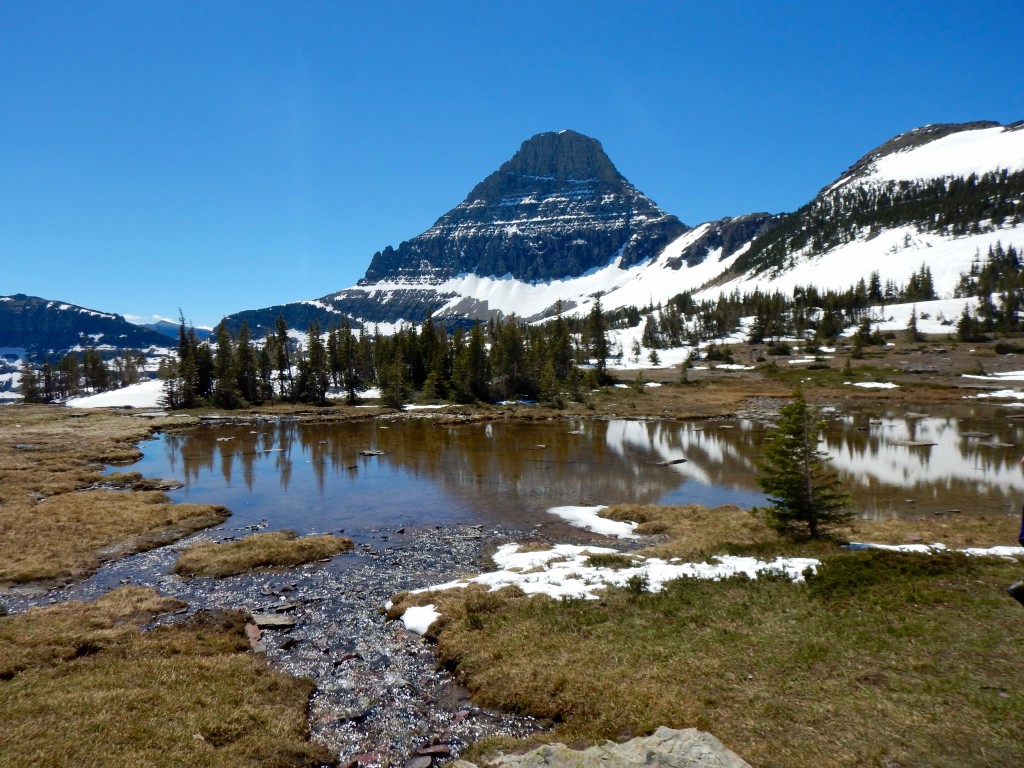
381,699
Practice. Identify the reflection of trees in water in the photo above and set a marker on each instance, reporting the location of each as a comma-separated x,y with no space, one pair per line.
530,464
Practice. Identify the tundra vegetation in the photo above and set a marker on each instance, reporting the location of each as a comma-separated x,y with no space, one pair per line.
60,515
81,684
879,658
278,549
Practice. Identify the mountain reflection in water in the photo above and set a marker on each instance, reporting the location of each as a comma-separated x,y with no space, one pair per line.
314,477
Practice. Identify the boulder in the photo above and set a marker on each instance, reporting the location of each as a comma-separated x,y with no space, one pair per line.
667,748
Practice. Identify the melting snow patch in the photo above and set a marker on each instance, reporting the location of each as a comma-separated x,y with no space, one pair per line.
145,394
927,549
418,618
875,384
734,367
1010,394
1004,376
563,571
588,517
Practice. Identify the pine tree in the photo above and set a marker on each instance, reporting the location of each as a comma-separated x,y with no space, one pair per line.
913,334
598,342
225,390
806,500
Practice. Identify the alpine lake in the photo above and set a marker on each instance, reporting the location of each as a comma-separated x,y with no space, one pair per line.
425,498
362,477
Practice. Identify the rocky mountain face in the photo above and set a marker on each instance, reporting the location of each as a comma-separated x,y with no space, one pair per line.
43,326
556,209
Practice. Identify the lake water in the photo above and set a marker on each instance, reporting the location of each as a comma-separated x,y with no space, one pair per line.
311,477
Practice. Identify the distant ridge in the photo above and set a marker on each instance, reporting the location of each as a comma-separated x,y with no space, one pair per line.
45,325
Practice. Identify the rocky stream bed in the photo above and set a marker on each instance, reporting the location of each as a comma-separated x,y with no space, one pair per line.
381,698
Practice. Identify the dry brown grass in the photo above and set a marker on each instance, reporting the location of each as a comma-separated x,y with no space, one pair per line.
263,550
55,524
951,530
917,666
44,636
693,530
89,690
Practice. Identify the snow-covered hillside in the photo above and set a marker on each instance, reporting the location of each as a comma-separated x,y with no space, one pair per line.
708,260
962,153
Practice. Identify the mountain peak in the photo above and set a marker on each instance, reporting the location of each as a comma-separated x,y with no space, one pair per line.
557,208
548,160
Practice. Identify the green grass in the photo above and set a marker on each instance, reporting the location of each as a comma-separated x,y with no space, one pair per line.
880,660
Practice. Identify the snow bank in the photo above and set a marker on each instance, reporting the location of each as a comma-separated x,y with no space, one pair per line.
145,394
927,549
418,618
959,154
562,571
588,517
874,384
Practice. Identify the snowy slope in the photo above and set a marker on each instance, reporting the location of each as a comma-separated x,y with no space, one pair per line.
697,261
959,154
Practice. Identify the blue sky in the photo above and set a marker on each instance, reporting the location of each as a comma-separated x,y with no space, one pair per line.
225,156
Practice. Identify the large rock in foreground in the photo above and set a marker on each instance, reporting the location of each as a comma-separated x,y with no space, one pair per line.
667,748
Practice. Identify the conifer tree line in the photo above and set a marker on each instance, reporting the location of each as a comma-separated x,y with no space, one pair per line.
998,275
951,206
809,311
492,361
80,372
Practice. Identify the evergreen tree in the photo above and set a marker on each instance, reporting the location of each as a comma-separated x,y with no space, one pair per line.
30,384
597,342
247,367
912,333
282,359
807,501
225,389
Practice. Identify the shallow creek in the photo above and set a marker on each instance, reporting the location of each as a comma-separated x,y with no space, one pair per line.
425,502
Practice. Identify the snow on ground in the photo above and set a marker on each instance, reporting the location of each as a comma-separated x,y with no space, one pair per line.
145,394
959,154
1004,376
588,517
896,254
874,384
562,571
418,618
928,549
1001,394
936,317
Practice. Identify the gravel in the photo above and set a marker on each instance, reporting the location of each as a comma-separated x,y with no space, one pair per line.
381,698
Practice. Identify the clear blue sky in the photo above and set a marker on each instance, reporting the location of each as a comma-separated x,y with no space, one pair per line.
225,156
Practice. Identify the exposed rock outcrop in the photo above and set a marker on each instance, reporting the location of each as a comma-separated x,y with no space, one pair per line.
667,748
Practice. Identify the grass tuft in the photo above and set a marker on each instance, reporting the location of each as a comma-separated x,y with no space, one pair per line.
91,689
263,550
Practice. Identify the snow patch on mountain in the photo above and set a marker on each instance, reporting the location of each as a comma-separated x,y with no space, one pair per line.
960,154
895,254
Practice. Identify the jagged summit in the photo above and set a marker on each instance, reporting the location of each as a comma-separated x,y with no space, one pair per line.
556,209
